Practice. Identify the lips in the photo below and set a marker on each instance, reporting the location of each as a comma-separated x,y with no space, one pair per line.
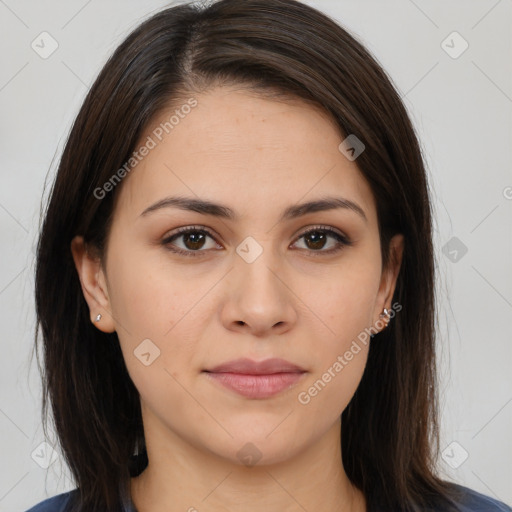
256,380
250,367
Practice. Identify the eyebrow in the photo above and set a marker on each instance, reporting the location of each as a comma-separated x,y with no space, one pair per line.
206,207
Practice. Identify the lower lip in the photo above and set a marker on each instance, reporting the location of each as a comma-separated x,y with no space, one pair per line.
256,386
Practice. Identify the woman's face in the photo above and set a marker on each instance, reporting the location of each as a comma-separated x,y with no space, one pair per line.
248,285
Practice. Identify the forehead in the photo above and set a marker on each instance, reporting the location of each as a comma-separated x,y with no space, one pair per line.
244,150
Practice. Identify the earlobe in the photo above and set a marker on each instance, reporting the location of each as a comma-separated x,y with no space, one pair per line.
93,283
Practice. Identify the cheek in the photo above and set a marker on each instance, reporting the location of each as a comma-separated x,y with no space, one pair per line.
345,307
155,312
345,299
329,390
148,297
339,358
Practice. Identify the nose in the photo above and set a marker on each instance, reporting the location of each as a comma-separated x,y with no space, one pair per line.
258,300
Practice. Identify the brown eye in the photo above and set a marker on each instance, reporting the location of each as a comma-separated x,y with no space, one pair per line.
316,239
193,241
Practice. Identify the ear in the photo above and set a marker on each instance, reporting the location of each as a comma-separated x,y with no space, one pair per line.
94,284
388,280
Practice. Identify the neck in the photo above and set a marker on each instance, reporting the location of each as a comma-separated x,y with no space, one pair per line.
182,477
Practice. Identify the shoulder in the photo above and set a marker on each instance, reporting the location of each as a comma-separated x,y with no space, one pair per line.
58,503
472,501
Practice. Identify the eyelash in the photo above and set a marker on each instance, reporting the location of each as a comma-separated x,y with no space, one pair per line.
342,240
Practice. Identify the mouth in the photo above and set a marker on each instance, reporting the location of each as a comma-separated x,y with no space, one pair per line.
256,380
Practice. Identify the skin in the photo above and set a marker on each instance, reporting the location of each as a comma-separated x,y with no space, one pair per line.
257,156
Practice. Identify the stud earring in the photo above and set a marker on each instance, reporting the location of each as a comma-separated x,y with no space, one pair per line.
98,318
386,313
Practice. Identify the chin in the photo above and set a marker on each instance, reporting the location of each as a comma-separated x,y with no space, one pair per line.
257,450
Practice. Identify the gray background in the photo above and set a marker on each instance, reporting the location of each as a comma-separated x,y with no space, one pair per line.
461,108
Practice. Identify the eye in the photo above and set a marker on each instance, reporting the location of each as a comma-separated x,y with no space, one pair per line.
316,239
194,238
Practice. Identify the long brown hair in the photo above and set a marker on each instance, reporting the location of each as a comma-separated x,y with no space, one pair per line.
390,428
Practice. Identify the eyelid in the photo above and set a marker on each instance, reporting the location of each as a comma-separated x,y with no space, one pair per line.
321,227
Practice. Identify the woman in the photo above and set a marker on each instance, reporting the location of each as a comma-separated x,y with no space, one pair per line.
235,279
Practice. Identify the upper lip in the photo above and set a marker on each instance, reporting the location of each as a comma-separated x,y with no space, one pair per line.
250,367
